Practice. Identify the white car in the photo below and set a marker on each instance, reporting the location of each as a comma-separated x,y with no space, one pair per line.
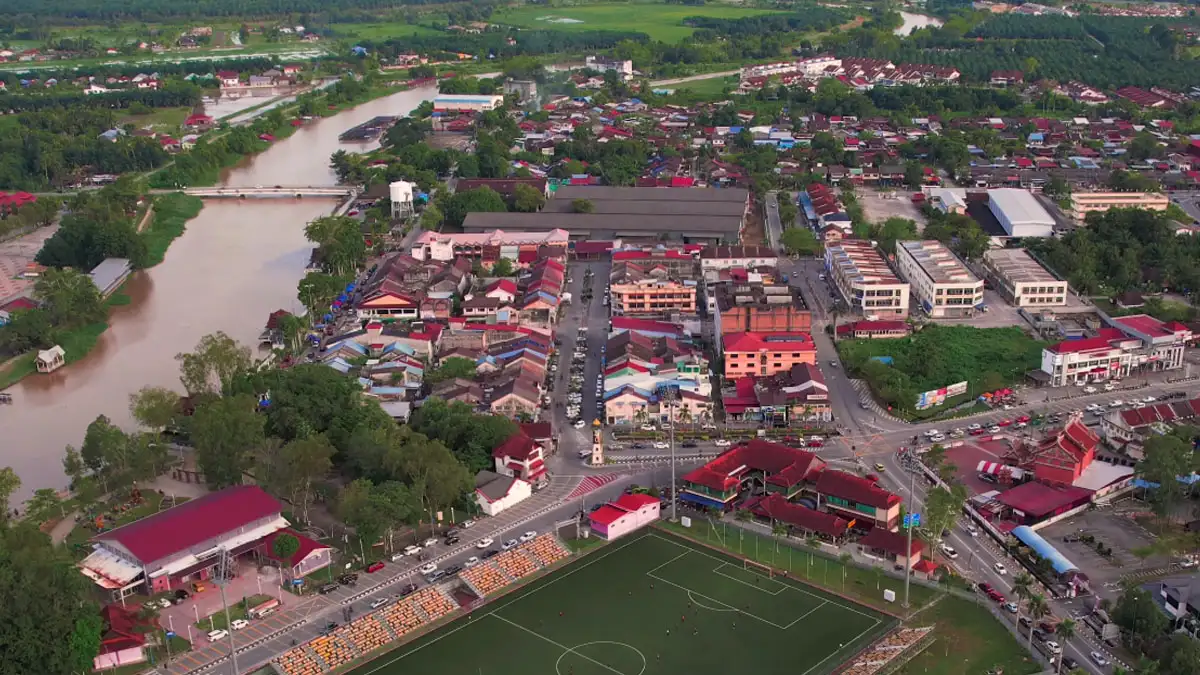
484,543
1149,399
471,562
1097,657
508,544
412,550
834,364
427,568
238,624
1116,404
993,429
528,536
971,529
1020,425
1000,568
647,427
722,443
218,634
1053,646
973,427
579,424
379,602
429,542
937,439
930,433
948,551
1109,386
660,445
467,524
397,556
1089,390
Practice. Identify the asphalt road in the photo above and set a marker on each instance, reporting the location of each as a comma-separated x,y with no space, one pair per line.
774,224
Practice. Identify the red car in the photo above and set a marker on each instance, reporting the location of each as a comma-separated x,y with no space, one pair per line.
816,443
1023,418
374,567
986,587
996,595
1004,423
975,432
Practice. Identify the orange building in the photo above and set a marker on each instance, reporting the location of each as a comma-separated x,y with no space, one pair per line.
759,307
653,297
765,354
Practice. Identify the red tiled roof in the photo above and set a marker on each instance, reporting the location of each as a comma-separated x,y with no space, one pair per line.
18,304
634,502
1103,340
606,515
192,523
589,247
307,546
537,430
785,466
1038,500
1148,325
518,446
121,629
771,342
854,488
892,542
777,507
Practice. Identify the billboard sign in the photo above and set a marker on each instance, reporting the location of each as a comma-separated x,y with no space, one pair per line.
934,397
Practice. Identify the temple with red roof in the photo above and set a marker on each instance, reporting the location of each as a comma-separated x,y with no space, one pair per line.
1061,457
183,544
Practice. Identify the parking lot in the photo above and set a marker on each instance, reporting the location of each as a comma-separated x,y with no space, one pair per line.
879,205
1114,528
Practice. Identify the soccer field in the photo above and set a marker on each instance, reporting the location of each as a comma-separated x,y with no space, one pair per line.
651,604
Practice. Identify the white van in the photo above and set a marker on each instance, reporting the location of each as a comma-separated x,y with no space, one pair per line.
585,454
216,635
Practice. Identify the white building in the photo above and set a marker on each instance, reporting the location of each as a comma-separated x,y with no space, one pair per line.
623,67
496,492
1083,203
401,194
1022,280
1019,213
745,257
467,102
864,279
1133,345
940,281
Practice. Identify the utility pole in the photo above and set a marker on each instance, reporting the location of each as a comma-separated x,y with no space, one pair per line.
668,396
224,574
912,485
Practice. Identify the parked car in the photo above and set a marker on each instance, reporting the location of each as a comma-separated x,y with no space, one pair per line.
491,552
427,568
1000,568
508,544
219,634
450,541
661,445
948,551
429,542
349,579
374,567
721,443
435,575
471,562
408,590
412,550
467,524
379,602
1097,657
397,556
483,543
528,536
1011,607
238,624
453,569
327,588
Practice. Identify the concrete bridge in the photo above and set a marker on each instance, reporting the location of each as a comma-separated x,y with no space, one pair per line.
275,191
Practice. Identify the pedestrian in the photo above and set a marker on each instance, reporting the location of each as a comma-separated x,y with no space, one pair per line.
560,613
668,631
683,619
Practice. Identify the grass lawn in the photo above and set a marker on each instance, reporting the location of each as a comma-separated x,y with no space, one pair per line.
383,30
161,119
171,213
653,603
83,531
969,639
158,655
658,20
709,87
216,620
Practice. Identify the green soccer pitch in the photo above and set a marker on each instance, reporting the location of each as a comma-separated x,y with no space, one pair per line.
648,605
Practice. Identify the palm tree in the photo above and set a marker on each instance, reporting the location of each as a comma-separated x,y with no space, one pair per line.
684,415
1022,586
1038,608
1065,631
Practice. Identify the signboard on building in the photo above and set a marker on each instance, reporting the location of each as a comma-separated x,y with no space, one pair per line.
934,397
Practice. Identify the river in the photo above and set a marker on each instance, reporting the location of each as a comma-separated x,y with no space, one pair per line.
914,21
237,262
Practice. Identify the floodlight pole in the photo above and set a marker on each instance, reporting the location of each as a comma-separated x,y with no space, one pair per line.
912,485
224,570
669,397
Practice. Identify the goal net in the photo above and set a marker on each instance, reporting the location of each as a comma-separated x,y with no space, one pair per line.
758,568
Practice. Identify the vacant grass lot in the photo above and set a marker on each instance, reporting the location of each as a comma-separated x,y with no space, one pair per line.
383,30
659,21
652,603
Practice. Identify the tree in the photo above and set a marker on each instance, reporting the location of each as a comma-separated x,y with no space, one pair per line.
914,175
70,298
318,290
1022,588
528,199
451,368
1144,146
942,508
480,200
340,243
1140,619
787,210
44,505
503,268
1038,609
154,408
432,218
285,546
892,230
44,595
1057,187
373,510
9,484
105,452
1167,458
294,469
225,432
213,365
1065,630
800,241
582,206
1181,656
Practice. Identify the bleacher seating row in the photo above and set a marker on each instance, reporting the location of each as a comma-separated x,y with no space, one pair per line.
429,604
890,648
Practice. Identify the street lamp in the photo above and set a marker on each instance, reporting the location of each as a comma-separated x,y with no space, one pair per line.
667,396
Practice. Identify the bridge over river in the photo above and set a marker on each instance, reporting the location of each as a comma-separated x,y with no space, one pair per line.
274,191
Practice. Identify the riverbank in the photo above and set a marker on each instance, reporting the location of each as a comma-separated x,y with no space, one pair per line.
167,220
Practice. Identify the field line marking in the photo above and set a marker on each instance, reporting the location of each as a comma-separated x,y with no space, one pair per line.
595,558
651,572
805,615
797,589
566,650
835,653
760,589
688,590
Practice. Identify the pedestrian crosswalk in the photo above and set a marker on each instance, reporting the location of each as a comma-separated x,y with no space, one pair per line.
864,397
592,483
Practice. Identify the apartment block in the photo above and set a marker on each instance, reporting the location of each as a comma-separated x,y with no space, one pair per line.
649,290
1083,203
766,354
1022,280
940,281
865,281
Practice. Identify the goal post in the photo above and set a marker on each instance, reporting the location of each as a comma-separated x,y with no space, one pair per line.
758,568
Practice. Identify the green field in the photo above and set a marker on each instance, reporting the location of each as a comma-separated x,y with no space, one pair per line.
383,30
653,604
659,21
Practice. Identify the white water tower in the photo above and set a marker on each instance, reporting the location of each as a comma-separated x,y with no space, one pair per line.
401,193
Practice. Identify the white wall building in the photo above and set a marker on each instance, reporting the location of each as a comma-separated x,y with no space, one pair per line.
1022,280
467,102
1134,344
1019,213
623,67
940,281
401,194
496,493
864,279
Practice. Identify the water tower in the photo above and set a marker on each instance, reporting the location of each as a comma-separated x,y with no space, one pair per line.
401,193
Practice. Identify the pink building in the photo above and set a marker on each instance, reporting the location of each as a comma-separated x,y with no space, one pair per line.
625,515
765,354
